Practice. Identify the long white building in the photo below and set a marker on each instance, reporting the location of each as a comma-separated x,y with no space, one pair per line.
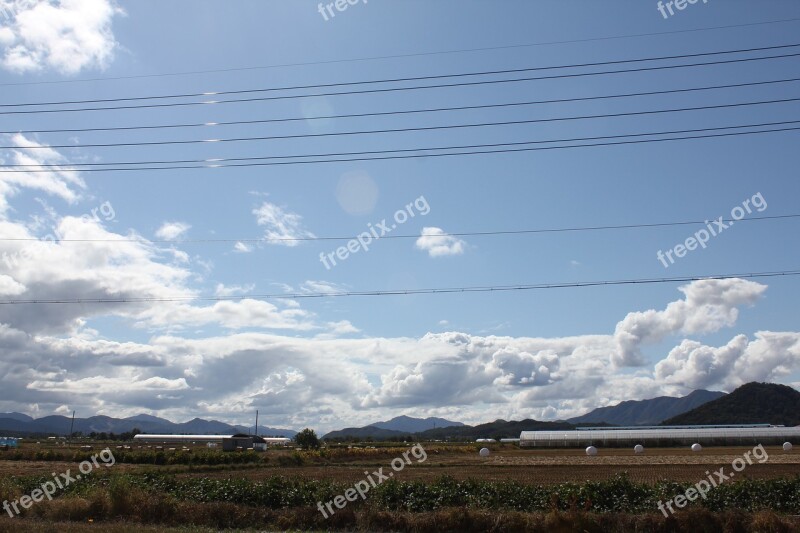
180,439
198,439
666,436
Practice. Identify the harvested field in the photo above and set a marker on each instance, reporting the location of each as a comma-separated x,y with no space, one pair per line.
545,466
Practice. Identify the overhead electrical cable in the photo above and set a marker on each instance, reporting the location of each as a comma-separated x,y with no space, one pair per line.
398,112
215,163
397,292
397,130
396,89
576,229
394,80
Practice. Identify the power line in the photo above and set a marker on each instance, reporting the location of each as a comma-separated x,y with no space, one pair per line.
402,112
394,80
396,89
416,236
215,163
399,292
396,56
399,130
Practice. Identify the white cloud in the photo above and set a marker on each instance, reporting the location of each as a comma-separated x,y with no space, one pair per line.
64,35
280,225
709,306
169,231
342,327
57,181
325,287
771,356
242,248
439,244
232,290
328,382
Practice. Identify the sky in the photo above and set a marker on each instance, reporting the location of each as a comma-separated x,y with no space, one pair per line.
212,279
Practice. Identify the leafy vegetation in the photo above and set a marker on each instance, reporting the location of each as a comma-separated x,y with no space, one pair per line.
443,505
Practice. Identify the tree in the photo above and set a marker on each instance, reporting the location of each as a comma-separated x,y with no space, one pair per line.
307,439
128,435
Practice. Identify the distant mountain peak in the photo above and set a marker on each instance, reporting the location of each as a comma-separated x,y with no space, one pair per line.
147,418
752,403
16,416
408,424
647,412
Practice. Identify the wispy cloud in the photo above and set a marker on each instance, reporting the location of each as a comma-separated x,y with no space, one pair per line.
242,248
169,231
280,225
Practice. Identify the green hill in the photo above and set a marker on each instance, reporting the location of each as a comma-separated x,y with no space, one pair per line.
752,403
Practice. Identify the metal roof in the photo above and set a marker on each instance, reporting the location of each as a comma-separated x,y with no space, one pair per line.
654,434
143,436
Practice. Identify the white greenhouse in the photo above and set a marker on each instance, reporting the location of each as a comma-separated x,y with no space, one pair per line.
661,436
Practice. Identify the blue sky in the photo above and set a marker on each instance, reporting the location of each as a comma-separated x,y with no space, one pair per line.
332,362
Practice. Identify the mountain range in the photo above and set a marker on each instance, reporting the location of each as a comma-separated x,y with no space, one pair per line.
646,412
397,427
21,424
749,404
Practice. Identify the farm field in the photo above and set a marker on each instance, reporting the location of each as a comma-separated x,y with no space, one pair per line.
615,488
548,466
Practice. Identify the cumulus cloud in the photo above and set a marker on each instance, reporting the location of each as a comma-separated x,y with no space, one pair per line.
280,225
709,305
471,378
67,36
438,243
770,356
515,367
169,231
